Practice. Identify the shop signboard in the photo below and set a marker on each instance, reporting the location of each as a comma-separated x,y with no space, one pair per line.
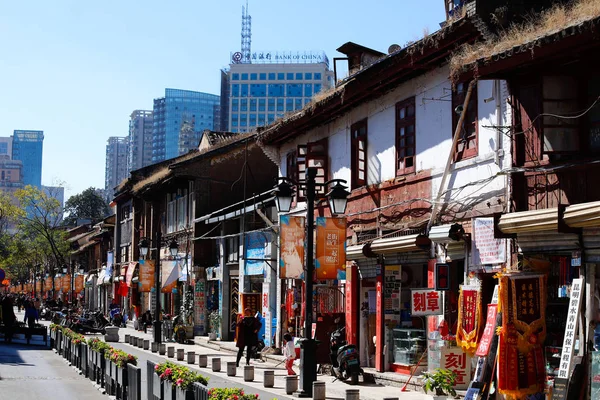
265,301
457,361
268,329
291,257
251,301
200,306
147,275
566,358
330,260
487,250
426,302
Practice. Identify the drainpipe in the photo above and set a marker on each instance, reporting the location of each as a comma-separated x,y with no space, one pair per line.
442,187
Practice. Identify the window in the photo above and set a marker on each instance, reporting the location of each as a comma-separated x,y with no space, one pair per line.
289,104
270,118
317,88
276,90
317,76
279,104
234,104
271,76
359,154
308,76
560,97
294,90
405,136
299,76
261,119
262,76
234,120
280,76
244,105
244,77
235,90
314,155
252,104
235,77
298,104
232,249
253,76
243,120
261,104
244,90
290,76
252,120
466,147
271,106
258,90
308,90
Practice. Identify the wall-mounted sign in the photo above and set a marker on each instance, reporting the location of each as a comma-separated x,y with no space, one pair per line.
279,57
486,249
330,260
147,275
566,358
426,302
442,276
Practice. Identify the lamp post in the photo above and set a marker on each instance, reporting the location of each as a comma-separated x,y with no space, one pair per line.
337,199
144,246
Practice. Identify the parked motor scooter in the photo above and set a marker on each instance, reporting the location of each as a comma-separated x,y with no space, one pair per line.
345,360
94,323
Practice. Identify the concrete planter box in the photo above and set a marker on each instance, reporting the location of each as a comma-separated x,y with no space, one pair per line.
157,386
169,391
181,394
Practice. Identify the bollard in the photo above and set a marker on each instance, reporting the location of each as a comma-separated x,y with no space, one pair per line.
127,338
231,368
352,394
216,364
162,349
203,360
248,373
180,354
191,357
269,379
140,342
391,398
170,351
154,347
291,384
130,339
146,344
319,390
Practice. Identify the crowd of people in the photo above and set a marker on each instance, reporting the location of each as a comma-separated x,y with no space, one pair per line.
8,318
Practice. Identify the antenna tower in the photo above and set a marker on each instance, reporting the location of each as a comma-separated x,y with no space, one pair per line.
246,34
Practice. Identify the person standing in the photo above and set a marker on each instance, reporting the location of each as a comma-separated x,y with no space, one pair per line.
247,335
8,317
31,314
289,352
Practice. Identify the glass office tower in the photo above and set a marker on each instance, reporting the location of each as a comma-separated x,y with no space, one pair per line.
27,146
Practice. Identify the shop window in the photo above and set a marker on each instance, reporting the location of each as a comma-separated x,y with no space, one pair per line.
359,154
466,146
405,136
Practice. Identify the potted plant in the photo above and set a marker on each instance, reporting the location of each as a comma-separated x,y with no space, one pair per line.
441,382
214,319
178,380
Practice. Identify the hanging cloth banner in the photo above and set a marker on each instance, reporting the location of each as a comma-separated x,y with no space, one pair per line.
78,283
146,275
130,271
258,252
521,362
169,274
469,319
291,247
488,332
66,283
330,260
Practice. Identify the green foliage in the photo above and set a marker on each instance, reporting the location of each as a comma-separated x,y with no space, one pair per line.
441,381
85,205
230,393
98,345
179,375
214,318
120,357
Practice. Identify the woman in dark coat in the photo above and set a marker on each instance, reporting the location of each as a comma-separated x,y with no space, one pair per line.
246,335
8,318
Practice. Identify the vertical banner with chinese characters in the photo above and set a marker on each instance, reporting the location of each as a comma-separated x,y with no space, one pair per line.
291,256
521,362
330,260
200,307
66,283
459,362
571,327
426,302
78,283
469,317
488,332
147,275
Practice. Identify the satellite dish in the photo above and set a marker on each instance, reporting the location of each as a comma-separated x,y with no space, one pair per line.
394,48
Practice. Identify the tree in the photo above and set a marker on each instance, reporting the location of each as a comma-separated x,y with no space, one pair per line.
86,205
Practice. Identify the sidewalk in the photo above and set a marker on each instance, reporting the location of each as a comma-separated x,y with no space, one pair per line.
227,350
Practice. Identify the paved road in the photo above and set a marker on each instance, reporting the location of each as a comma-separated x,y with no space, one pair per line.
33,372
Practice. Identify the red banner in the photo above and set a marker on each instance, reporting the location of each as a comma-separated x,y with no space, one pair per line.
66,283
469,317
78,283
488,332
330,261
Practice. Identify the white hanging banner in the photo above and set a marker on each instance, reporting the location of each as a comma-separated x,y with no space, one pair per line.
566,357
486,249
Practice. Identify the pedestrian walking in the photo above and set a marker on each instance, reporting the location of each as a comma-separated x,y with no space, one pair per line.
289,352
31,315
146,320
8,317
247,335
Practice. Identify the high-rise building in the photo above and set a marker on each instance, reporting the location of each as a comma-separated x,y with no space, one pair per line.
116,164
57,192
6,146
272,84
140,140
11,174
179,119
27,146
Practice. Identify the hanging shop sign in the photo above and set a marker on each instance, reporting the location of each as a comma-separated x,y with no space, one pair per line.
292,236
486,249
66,283
147,276
258,252
169,275
79,283
488,332
48,283
130,271
200,307
330,260
459,362
566,358
469,318
251,301
442,276
426,302
521,362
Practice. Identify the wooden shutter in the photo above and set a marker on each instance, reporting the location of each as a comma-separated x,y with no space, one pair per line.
359,153
318,156
405,136
466,146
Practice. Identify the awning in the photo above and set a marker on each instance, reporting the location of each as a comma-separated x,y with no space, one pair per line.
583,215
399,244
446,233
529,221
354,252
89,281
531,243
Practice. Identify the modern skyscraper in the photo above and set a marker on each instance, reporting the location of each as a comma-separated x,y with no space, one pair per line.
179,119
28,147
6,146
116,164
140,140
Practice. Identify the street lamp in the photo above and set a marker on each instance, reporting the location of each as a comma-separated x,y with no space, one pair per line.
337,199
144,247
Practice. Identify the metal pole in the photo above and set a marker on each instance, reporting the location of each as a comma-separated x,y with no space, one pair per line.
157,322
308,362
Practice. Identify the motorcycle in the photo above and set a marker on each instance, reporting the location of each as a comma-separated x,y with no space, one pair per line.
345,360
116,317
93,323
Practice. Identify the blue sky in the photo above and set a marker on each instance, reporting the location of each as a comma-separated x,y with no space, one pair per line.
77,69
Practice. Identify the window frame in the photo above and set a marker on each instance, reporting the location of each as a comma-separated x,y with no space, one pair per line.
458,99
402,169
359,153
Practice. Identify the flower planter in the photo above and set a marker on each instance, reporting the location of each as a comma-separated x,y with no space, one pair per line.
157,387
181,394
169,391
